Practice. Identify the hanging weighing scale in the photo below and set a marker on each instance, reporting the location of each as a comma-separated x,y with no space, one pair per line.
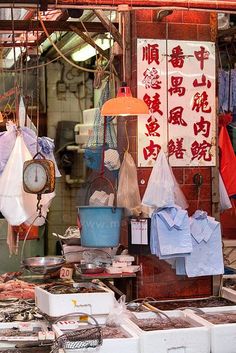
39,175
39,178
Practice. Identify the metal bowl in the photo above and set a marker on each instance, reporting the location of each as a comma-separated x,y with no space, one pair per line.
89,268
43,265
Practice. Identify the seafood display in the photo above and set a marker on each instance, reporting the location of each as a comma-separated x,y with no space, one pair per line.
70,288
113,332
16,332
18,310
8,276
183,304
220,318
16,289
160,323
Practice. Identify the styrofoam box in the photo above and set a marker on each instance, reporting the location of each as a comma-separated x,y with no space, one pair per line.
10,342
228,293
183,340
56,305
110,345
222,336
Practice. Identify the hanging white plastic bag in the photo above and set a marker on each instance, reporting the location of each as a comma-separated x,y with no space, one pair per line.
128,191
225,202
16,205
160,188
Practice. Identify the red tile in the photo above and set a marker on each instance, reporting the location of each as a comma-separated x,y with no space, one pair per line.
202,205
190,191
179,174
204,32
190,172
196,17
176,16
144,15
143,176
182,32
151,30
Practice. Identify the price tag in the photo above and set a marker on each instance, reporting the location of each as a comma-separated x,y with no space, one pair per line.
66,273
139,232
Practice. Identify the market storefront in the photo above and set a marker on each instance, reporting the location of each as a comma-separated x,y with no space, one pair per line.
117,176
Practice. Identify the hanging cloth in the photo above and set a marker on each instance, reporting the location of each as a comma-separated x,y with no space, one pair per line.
170,233
206,258
227,156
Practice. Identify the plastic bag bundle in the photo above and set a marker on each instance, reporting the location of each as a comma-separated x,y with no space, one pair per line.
97,141
128,191
162,189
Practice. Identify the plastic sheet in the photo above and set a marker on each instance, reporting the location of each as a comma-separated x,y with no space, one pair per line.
128,191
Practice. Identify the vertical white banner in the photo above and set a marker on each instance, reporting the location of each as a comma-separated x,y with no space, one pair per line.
191,103
179,88
151,76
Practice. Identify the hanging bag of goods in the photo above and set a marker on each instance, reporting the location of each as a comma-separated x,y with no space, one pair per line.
103,136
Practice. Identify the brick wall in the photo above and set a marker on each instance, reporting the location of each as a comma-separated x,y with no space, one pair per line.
157,279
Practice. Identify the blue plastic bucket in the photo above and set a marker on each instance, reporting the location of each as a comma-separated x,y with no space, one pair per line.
100,226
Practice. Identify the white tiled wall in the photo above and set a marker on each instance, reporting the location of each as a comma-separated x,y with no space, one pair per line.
63,211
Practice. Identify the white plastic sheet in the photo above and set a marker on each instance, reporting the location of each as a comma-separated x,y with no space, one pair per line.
128,191
16,205
225,202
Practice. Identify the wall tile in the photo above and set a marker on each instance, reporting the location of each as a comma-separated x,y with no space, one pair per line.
190,172
175,17
151,30
144,16
204,33
182,32
196,17
179,174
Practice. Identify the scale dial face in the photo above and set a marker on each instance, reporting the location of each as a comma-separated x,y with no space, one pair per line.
39,176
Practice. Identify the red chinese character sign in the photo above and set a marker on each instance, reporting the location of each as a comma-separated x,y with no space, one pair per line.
179,88
152,132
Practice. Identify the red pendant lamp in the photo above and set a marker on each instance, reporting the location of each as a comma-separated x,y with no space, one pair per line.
124,104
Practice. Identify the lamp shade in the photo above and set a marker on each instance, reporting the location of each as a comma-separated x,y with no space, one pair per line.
124,104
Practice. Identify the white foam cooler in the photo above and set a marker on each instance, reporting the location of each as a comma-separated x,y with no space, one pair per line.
182,340
129,344
222,336
38,326
94,303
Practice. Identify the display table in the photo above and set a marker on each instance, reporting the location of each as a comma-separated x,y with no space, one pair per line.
120,283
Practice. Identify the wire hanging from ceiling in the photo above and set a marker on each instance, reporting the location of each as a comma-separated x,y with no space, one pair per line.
59,51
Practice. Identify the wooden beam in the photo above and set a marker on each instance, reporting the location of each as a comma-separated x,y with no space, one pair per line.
65,26
51,52
208,5
109,26
89,40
